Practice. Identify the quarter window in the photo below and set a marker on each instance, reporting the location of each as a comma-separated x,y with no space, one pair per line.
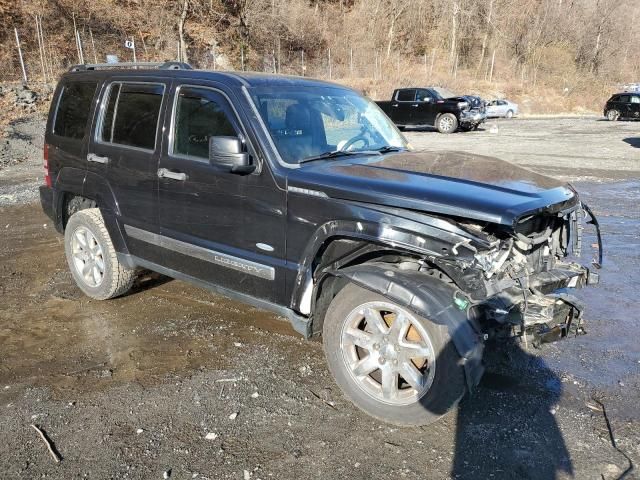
199,114
131,116
623,99
73,109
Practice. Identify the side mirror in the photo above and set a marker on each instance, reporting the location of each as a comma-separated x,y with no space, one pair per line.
227,151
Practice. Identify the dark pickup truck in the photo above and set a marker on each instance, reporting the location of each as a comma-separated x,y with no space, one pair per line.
434,107
301,197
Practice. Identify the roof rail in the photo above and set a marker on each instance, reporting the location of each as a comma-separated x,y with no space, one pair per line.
159,65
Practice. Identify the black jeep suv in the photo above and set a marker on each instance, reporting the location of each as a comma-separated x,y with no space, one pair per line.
301,197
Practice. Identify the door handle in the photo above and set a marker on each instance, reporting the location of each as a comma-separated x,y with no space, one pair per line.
164,173
92,157
394,105
415,105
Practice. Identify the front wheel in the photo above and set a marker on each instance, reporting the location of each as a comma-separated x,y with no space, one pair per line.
391,363
447,123
509,114
613,115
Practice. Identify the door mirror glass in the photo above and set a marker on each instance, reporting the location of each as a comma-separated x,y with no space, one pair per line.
228,151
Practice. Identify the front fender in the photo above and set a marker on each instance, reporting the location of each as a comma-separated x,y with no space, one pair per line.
432,238
430,298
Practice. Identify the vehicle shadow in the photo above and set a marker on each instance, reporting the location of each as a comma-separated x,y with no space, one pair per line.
507,427
633,141
146,281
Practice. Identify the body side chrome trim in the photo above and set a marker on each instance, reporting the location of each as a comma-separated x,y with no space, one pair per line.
213,256
307,191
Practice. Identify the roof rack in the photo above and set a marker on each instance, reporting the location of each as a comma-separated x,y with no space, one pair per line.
158,65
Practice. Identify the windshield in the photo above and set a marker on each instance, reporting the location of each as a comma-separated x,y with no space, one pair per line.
444,93
306,122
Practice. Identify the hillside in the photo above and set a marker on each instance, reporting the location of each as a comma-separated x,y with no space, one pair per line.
549,55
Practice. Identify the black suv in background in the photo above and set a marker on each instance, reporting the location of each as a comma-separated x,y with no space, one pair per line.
301,197
623,106
434,107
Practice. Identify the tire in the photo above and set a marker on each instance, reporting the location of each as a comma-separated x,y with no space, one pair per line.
509,114
447,123
442,379
105,276
613,115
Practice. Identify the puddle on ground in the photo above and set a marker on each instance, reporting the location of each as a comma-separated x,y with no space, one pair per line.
52,335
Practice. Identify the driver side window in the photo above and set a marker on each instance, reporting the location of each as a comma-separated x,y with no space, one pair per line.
200,113
424,96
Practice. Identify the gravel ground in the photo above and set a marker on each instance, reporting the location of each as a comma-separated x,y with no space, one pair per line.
172,381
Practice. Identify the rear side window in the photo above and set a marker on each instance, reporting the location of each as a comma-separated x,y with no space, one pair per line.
406,95
200,114
635,99
73,109
131,115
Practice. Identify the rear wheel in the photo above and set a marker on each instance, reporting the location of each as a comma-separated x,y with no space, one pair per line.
391,363
613,115
509,114
92,259
447,123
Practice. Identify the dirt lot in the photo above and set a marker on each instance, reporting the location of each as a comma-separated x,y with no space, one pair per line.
171,380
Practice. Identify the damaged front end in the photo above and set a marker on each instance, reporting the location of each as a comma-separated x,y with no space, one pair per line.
518,286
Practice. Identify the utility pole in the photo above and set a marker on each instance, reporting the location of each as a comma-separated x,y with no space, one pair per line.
329,59
77,36
302,61
242,56
93,46
351,62
40,48
24,72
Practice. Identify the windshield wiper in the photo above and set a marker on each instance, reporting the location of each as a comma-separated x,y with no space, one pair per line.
389,148
345,153
332,154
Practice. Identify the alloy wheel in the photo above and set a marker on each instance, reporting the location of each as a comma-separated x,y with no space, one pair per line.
388,353
446,124
88,258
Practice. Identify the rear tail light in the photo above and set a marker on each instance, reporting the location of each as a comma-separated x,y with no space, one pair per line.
45,158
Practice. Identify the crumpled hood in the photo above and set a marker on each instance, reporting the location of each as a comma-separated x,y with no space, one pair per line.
448,183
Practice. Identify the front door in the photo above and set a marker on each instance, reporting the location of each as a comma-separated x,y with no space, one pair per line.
224,228
424,109
634,106
125,150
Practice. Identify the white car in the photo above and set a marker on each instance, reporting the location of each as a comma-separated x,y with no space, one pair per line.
501,108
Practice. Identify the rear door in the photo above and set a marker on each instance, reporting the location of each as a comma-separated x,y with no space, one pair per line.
401,106
125,150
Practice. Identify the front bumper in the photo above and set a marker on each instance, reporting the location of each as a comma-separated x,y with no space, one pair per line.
473,116
539,308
